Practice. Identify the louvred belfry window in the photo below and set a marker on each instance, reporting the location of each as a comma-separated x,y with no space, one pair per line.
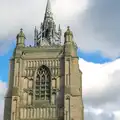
43,80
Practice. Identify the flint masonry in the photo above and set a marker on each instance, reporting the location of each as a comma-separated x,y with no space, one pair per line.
45,82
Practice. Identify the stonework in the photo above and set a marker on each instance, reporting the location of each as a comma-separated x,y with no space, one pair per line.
45,81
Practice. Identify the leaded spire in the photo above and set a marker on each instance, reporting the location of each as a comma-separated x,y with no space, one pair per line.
48,12
48,34
48,7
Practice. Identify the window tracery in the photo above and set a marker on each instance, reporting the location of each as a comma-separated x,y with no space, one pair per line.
43,80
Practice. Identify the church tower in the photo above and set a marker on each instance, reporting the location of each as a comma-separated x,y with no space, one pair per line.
45,82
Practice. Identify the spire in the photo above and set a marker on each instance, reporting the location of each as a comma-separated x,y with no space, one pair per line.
48,12
48,7
48,35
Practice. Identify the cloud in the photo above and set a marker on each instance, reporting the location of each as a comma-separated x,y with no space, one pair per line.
98,27
117,115
3,88
101,90
100,82
95,23
66,9
27,14
95,114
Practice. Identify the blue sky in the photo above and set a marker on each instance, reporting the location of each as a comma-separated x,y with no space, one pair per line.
4,63
95,57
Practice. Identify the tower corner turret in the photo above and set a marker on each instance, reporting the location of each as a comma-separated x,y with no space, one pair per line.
20,39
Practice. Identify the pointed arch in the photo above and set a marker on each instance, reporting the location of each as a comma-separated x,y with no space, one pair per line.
43,83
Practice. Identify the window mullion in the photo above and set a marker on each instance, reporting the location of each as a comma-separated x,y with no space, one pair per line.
43,84
40,88
45,87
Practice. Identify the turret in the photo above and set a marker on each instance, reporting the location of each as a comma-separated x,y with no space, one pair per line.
68,35
20,39
70,47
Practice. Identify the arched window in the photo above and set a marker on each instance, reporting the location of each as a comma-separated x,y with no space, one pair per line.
43,80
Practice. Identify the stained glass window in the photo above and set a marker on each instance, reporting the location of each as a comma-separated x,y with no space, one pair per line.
43,81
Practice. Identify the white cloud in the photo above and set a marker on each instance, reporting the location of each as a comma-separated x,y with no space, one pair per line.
88,23
98,28
96,77
101,88
29,13
117,115
101,84
3,88
66,9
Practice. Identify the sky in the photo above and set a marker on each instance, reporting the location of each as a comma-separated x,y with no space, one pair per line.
96,29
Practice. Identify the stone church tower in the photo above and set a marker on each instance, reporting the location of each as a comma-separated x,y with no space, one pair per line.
45,82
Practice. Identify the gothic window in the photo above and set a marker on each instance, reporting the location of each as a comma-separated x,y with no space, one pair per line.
43,80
